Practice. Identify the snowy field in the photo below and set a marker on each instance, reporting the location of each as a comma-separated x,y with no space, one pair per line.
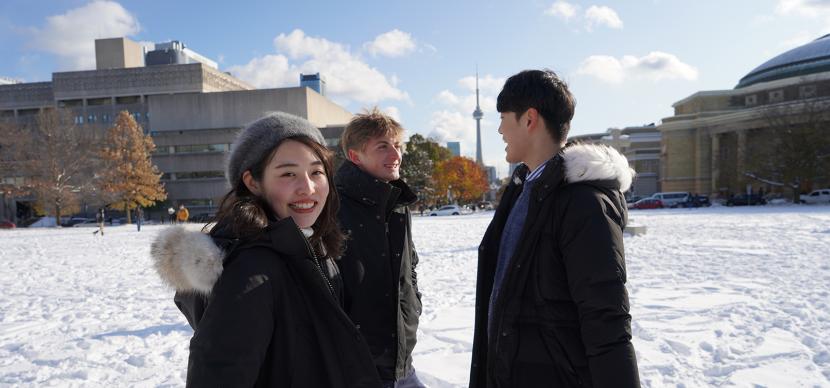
720,297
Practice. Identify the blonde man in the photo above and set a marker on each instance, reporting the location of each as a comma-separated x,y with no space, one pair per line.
380,283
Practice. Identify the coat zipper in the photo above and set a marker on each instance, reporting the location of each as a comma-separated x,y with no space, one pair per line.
319,266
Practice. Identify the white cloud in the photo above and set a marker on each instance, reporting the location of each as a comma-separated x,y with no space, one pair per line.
809,8
563,10
71,35
454,120
348,77
655,66
486,83
801,38
447,97
269,71
602,16
448,125
395,43
593,16
393,112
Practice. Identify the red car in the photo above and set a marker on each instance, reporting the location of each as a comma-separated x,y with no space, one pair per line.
648,203
6,224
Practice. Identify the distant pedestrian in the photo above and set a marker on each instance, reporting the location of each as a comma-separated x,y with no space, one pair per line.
99,218
139,214
182,215
172,213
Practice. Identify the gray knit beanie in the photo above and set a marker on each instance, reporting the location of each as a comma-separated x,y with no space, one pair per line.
259,138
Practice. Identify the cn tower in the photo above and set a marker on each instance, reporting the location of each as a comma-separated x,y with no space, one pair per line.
478,114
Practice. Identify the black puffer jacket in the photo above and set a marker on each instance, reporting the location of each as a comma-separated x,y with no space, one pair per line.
378,267
270,317
562,315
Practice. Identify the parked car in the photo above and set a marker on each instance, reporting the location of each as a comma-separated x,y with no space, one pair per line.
744,200
817,196
86,224
73,220
696,201
672,198
6,224
648,203
634,198
448,210
41,222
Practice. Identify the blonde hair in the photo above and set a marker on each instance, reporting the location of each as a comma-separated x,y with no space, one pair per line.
366,126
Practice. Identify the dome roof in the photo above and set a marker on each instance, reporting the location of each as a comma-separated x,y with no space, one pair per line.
813,57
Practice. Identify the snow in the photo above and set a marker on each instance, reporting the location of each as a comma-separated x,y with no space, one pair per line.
720,296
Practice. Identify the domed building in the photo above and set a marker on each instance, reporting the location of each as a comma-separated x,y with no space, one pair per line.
771,133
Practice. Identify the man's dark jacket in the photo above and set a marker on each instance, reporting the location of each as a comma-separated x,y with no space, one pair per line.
562,314
262,310
378,267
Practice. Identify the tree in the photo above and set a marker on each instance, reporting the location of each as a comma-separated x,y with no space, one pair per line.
798,150
53,159
420,158
129,175
465,179
12,182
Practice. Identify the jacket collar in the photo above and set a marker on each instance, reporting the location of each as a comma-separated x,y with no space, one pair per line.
192,261
599,165
358,185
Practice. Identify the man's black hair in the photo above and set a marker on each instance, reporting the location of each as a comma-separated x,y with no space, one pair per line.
544,91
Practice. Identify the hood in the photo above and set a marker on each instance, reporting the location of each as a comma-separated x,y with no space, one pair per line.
187,260
597,163
192,261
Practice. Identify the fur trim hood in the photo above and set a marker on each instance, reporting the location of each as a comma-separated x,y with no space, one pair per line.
591,162
187,260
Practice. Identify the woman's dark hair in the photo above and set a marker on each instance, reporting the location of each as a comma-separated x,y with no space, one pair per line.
247,214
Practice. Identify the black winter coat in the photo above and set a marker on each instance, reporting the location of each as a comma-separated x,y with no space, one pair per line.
270,320
562,315
378,267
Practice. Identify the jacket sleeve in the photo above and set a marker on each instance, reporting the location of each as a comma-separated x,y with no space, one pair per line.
593,255
192,305
232,338
413,254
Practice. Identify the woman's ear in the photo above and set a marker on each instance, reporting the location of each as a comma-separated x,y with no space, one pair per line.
251,183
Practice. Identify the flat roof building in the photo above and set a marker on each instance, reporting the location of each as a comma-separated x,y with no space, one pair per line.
192,110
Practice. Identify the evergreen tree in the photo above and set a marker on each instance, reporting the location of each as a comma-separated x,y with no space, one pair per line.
420,158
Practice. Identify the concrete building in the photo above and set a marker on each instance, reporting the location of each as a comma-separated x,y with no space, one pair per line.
716,138
641,146
454,147
192,110
194,131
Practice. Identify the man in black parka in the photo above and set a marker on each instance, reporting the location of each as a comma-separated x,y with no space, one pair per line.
378,268
551,305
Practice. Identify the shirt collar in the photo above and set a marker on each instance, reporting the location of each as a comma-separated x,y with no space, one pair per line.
537,172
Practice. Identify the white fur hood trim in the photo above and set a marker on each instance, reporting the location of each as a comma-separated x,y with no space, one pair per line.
591,162
187,260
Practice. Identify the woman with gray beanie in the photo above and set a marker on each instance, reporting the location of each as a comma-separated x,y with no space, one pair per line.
260,289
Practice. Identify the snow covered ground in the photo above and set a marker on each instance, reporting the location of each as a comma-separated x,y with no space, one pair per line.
720,296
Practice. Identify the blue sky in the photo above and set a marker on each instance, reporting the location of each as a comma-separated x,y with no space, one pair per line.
626,62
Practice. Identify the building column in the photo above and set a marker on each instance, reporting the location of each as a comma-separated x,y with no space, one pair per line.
741,159
715,163
703,160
